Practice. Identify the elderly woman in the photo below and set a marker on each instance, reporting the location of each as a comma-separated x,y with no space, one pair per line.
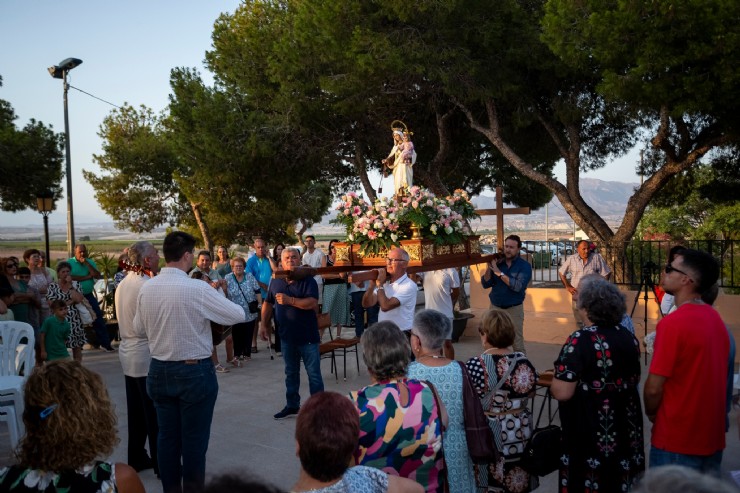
326,432
242,289
61,451
504,379
428,335
596,377
69,291
40,279
401,419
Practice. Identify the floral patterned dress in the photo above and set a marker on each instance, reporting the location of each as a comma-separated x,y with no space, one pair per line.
98,477
401,439
448,381
508,415
77,333
602,423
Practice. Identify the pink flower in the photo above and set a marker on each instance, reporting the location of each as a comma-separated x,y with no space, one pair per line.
415,204
372,235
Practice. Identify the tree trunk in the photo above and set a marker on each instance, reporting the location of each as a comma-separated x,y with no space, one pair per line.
361,167
202,226
679,156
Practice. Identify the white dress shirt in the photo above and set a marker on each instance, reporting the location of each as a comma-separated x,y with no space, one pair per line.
175,312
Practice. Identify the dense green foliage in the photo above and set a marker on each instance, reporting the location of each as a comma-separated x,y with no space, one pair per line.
31,161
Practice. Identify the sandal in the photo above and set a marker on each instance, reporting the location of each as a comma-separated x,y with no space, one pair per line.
236,362
220,369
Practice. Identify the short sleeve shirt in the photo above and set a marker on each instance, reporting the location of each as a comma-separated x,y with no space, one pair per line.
438,286
79,269
56,333
404,290
595,264
295,326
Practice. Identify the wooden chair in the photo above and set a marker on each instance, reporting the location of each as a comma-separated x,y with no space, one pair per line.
346,346
326,349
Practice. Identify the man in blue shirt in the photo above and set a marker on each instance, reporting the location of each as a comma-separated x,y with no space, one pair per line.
295,303
259,266
508,279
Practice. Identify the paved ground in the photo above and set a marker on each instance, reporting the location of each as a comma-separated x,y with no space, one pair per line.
245,438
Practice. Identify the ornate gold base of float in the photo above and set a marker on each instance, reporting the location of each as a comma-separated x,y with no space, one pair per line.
422,253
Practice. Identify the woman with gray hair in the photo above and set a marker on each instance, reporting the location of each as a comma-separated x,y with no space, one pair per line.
427,339
596,378
401,422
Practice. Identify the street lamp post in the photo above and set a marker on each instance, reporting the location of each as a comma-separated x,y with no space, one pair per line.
60,72
45,204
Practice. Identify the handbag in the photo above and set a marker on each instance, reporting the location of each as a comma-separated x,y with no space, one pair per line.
87,315
444,475
479,436
543,451
219,332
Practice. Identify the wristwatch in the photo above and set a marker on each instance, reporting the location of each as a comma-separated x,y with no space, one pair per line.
500,275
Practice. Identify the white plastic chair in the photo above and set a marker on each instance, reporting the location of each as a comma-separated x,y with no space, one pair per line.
16,362
7,414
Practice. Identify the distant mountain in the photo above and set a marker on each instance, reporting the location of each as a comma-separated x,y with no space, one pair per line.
607,198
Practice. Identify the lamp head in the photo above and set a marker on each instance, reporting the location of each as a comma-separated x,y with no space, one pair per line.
57,71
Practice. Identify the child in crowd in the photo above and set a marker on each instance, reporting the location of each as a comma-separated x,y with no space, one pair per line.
54,333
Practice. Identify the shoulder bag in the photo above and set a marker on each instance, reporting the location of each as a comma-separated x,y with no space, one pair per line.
479,436
542,454
252,305
443,477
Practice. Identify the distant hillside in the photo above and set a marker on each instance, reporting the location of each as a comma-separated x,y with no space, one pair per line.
607,198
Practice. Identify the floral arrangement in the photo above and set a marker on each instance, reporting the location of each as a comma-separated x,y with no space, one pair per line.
383,224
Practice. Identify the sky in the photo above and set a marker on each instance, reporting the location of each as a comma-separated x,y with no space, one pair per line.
128,49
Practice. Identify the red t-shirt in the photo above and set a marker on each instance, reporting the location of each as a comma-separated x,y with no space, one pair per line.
691,351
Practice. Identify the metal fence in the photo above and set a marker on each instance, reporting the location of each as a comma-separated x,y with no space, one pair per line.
634,260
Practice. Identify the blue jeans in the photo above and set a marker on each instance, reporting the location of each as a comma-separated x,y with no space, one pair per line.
184,396
359,311
707,464
101,331
292,354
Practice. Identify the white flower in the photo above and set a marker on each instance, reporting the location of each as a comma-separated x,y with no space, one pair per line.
394,237
448,230
433,229
38,480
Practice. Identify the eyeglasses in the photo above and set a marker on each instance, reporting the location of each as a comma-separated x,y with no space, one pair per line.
391,260
10,266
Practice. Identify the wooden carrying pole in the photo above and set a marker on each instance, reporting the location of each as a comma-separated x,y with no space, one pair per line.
360,273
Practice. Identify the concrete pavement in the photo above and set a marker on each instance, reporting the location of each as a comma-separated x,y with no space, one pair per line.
245,439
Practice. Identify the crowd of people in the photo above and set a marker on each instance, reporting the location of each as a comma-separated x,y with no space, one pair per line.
405,431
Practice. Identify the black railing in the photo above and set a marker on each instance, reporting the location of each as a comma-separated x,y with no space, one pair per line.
633,261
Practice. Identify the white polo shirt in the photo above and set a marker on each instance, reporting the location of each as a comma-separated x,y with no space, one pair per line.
404,290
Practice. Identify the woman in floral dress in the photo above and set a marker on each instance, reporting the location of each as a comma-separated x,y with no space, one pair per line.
504,381
400,420
69,291
596,377
61,451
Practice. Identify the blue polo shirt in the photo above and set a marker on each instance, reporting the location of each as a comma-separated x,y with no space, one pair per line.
296,326
261,270
519,275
